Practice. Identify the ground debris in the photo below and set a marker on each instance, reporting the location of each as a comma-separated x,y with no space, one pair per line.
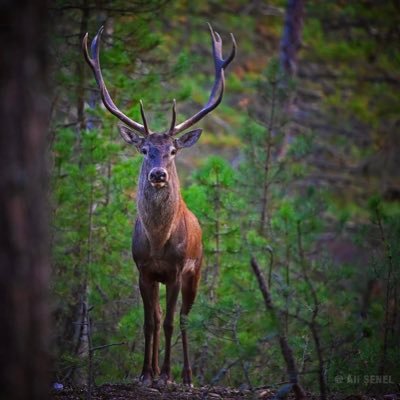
175,391
136,391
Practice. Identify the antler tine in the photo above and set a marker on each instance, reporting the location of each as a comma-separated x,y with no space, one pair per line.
146,126
217,90
173,120
233,52
94,62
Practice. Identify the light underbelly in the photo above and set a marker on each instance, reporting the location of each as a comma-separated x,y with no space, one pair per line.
190,266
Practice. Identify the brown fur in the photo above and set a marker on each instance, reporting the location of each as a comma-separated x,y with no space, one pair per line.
166,248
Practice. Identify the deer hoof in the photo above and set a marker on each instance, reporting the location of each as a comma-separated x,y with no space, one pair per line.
146,379
164,380
187,377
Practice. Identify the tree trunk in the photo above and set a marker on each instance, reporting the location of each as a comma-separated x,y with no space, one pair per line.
291,39
289,48
24,259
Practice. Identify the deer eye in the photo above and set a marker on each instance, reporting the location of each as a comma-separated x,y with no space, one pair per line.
173,152
144,151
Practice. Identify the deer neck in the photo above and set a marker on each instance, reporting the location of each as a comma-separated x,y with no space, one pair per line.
158,209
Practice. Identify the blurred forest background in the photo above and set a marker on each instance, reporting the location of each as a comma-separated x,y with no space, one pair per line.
297,168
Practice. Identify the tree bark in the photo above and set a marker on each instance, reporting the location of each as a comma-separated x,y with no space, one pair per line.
24,259
291,39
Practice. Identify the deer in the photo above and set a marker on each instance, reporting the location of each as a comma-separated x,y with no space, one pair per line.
167,237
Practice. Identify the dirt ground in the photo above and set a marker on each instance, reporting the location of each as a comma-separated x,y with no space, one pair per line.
136,391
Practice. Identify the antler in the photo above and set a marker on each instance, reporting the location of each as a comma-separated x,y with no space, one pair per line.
94,63
217,90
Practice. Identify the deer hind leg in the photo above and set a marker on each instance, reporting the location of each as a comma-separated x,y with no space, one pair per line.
149,293
172,297
189,290
156,337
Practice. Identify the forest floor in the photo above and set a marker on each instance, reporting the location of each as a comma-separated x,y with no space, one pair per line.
135,391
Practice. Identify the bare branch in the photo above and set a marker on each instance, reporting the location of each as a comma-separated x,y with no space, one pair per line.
286,350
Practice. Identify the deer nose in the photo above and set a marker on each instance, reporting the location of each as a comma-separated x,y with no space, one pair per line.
158,175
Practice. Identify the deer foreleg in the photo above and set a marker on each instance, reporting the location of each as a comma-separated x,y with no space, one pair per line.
173,290
156,337
149,293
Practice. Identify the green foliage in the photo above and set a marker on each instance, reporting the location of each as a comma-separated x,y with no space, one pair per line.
257,197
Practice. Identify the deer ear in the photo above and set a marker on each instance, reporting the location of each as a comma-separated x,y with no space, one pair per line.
188,139
130,136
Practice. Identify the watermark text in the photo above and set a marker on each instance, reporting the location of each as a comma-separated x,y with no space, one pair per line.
364,379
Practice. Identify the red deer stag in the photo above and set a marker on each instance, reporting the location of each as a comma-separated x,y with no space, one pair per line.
166,244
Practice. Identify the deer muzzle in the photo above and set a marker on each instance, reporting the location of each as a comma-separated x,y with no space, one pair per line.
158,177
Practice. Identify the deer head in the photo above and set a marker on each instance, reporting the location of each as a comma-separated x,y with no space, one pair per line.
159,149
